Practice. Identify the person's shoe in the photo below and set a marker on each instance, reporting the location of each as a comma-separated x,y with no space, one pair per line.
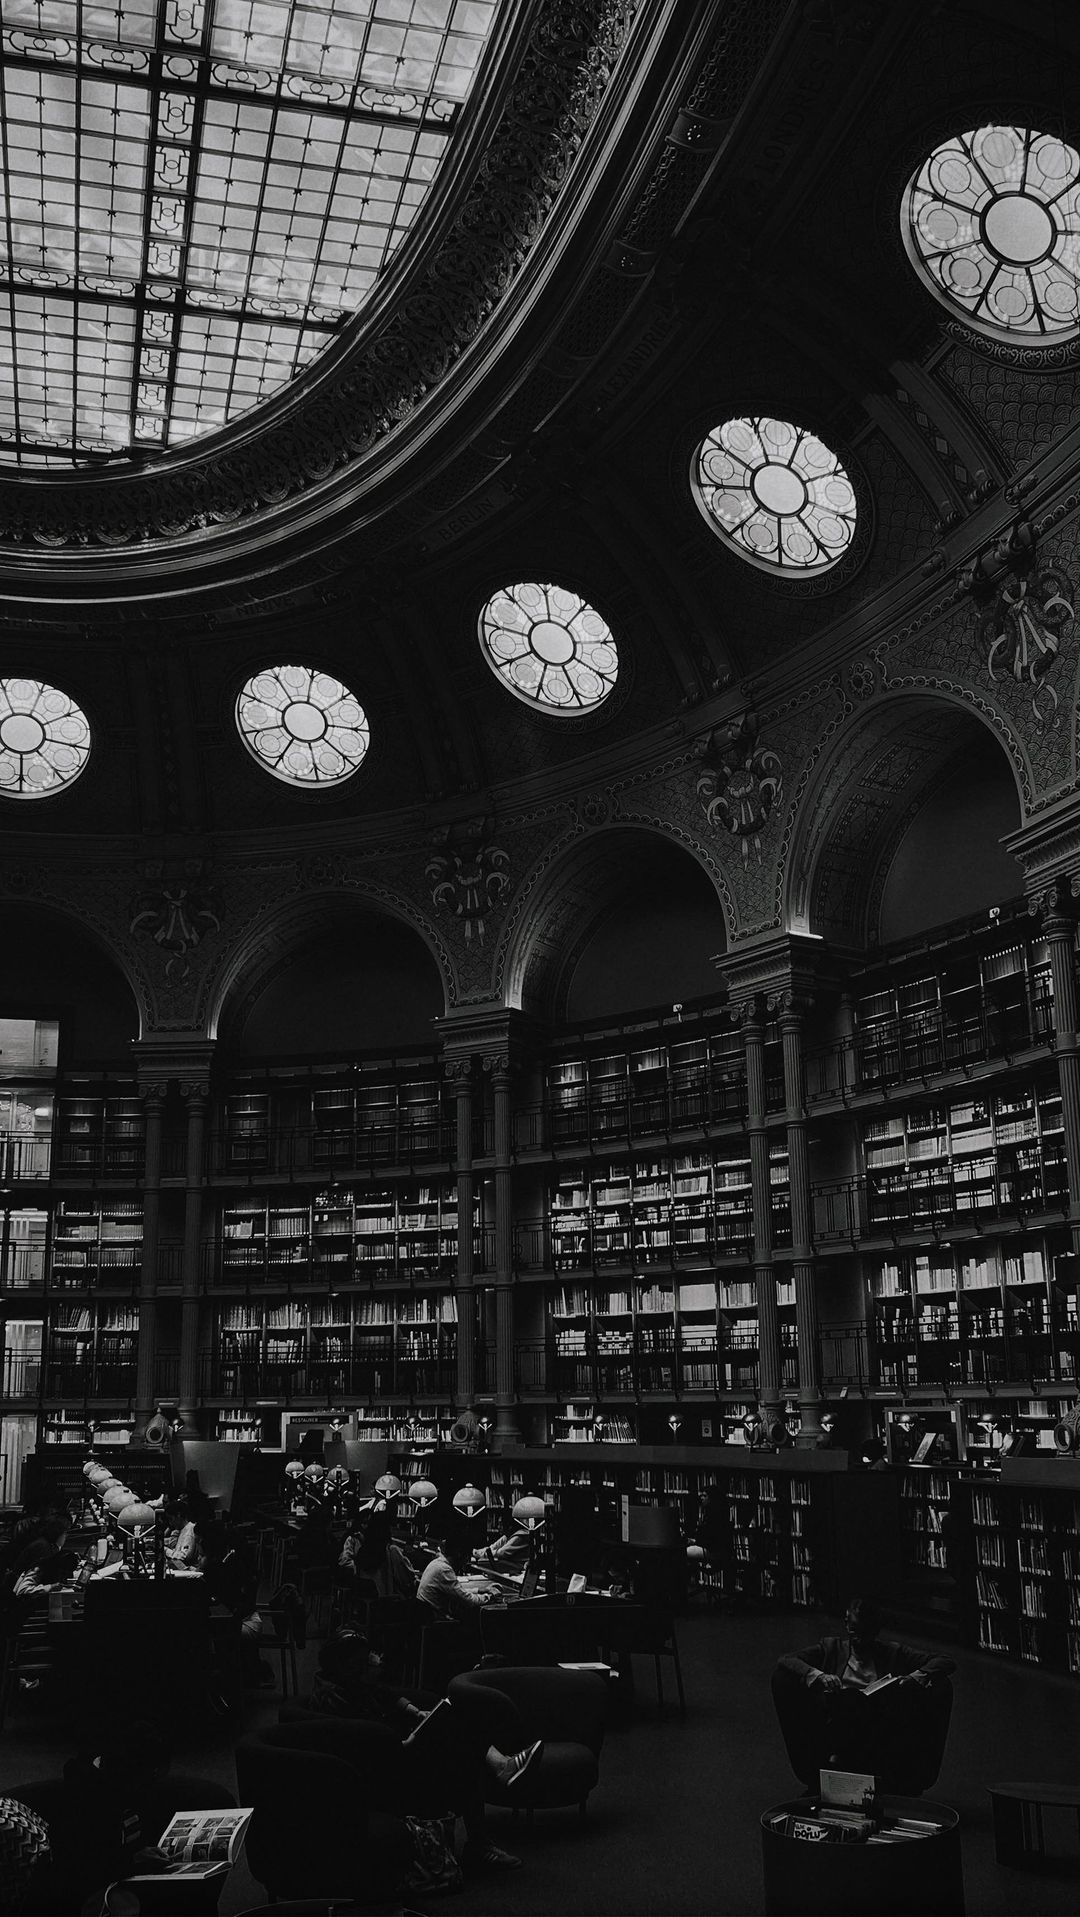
513,1770
484,1857
421,1730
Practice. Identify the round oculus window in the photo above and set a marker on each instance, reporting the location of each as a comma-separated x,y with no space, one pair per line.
549,647
991,223
775,493
302,725
44,739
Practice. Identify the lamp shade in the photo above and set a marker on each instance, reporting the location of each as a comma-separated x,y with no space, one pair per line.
388,1486
99,1474
423,1492
294,1468
117,1497
337,1478
136,1517
470,1501
315,1473
530,1513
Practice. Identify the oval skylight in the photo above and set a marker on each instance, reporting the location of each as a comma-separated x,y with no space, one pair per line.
44,739
199,196
776,494
991,223
302,725
549,647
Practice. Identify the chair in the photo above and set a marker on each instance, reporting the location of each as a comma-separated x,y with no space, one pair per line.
317,1591
649,1631
568,1709
278,1634
394,1629
324,1797
905,1759
24,1656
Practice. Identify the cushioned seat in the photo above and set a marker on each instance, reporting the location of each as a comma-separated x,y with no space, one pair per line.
906,1765
339,1782
568,1709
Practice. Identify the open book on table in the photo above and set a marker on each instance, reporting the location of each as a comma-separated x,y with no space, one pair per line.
201,1843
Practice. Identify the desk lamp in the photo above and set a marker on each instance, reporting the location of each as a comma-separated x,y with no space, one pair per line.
530,1512
388,1487
136,1521
422,1493
469,1501
533,1515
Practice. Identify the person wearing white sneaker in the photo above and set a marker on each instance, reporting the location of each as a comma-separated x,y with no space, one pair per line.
449,1746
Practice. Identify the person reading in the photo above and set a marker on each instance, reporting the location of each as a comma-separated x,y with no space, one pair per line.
863,1691
446,1748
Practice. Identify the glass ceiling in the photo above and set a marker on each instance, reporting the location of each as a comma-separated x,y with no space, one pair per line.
198,194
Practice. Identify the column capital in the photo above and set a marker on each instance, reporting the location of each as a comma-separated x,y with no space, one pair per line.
773,964
185,1057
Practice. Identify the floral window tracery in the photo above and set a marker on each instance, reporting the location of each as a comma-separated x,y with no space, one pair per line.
776,493
991,223
302,725
44,739
549,647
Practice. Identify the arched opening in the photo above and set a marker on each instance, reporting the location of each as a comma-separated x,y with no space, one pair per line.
50,966
950,862
902,830
656,930
623,921
344,979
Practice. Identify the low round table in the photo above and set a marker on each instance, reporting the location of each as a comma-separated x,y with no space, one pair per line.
923,1874
1019,1838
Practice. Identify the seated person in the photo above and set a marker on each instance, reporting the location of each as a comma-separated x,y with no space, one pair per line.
835,1675
448,1747
45,1558
365,1550
440,1582
181,1536
510,1552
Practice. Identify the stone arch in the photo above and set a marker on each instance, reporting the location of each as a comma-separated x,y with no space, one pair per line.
271,940
862,795
67,913
563,899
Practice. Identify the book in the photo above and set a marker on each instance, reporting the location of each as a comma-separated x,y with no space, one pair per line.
199,1844
879,1684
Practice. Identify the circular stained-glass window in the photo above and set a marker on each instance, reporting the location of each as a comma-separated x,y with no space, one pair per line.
777,494
44,739
991,222
549,647
303,725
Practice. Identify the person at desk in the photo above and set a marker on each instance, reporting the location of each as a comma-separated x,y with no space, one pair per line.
45,1559
510,1552
861,1689
440,1584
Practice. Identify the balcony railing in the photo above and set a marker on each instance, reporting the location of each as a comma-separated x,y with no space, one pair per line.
24,1158
291,1152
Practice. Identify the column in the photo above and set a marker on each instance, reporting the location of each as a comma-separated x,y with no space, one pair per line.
1059,925
154,1099
197,1096
459,1071
848,1058
753,1030
806,1317
506,1425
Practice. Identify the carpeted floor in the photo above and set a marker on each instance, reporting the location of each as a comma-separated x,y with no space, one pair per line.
673,1829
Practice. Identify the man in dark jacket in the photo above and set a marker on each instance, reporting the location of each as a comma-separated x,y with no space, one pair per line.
862,1693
